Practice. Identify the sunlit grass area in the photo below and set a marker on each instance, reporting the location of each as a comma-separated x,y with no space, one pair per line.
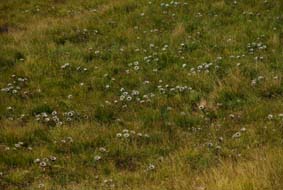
127,94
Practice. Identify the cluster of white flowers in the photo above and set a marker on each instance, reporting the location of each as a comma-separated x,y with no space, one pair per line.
257,80
45,117
256,46
172,4
79,68
57,119
130,133
101,150
45,162
275,117
134,95
108,183
205,67
70,115
134,66
126,96
18,146
239,133
16,86
166,89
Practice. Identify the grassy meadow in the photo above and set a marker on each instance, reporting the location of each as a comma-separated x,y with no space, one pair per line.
141,94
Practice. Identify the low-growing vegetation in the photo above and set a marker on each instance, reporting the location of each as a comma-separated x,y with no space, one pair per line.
127,94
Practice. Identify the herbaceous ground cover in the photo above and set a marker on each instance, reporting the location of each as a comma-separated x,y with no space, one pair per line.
127,94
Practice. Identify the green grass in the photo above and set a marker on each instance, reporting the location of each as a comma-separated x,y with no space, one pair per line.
141,94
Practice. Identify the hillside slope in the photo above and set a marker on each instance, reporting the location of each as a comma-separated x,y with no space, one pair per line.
127,94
